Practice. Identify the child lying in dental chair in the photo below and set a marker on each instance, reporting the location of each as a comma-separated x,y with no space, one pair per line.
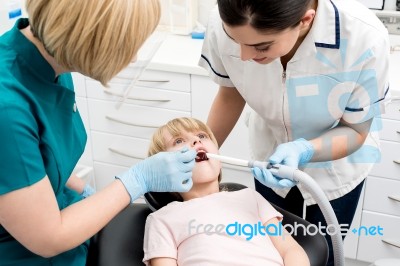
210,227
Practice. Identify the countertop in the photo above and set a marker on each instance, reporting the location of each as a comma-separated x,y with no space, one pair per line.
181,54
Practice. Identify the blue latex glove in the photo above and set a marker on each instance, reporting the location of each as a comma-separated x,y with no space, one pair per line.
295,153
87,191
265,177
292,154
162,172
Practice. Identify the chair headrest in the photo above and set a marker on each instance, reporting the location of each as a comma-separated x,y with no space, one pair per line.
157,200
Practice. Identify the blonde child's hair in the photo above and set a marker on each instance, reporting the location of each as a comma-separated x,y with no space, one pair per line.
95,38
175,127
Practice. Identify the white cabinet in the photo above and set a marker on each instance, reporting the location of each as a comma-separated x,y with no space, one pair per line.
381,242
383,196
121,130
381,208
379,205
129,119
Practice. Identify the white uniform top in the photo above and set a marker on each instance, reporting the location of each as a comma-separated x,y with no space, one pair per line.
339,71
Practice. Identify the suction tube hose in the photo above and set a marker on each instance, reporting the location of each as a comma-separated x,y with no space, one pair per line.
316,192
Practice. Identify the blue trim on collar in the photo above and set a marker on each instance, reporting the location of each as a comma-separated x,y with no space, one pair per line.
337,32
216,73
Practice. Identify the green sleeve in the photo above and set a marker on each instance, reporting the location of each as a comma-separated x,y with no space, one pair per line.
21,162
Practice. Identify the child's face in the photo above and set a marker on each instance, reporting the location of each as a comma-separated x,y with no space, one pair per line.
204,171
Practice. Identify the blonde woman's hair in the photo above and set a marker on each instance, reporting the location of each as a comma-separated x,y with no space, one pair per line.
175,128
95,38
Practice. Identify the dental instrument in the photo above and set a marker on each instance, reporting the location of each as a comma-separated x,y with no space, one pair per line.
228,160
283,171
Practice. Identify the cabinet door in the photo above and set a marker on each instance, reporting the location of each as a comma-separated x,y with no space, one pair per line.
389,165
382,195
117,149
131,120
379,237
145,96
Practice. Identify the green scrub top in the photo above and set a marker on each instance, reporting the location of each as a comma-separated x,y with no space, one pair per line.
41,133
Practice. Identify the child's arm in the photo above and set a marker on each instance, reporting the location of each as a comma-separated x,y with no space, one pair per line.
291,252
163,262
159,244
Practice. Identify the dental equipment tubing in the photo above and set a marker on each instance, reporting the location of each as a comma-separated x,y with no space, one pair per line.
283,171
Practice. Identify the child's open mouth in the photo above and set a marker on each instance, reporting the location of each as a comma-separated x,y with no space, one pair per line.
201,156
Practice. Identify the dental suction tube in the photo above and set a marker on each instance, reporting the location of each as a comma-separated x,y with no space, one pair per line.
309,184
316,192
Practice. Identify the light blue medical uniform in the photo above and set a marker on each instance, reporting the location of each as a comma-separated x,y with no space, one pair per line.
41,133
340,71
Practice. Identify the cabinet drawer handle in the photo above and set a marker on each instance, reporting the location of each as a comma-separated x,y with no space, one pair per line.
125,153
396,161
395,198
154,80
153,99
118,120
84,171
392,243
131,85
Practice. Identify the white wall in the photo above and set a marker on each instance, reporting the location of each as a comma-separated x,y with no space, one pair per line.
5,22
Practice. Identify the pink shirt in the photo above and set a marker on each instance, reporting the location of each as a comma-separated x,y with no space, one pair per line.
219,229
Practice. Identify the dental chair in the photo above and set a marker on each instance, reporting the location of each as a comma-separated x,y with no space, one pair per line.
120,243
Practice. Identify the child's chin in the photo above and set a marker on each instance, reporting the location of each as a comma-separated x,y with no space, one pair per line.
204,181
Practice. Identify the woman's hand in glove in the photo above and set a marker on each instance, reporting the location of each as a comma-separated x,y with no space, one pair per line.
162,172
265,177
293,154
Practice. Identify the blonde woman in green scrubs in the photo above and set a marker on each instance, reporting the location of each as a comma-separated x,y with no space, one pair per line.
42,221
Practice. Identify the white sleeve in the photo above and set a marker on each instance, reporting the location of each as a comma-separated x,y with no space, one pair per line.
158,240
368,98
211,59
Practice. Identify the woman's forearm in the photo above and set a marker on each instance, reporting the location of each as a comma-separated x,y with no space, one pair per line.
225,112
93,213
32,216
340,141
